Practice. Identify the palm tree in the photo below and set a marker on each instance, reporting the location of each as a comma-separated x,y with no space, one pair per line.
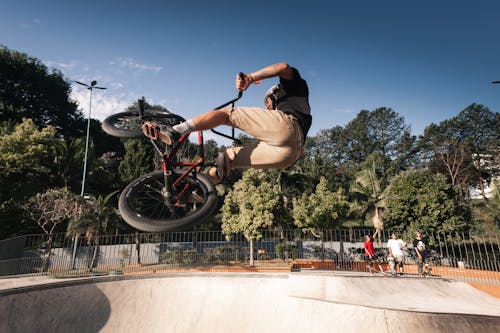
367,189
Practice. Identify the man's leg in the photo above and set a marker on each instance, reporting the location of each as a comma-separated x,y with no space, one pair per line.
228,160
368,262
392,265
205,121
420,264
401,265
211,119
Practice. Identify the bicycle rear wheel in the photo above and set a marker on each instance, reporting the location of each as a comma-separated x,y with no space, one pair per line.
143,205
128,124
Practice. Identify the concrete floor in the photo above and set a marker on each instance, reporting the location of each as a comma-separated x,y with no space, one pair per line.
245,302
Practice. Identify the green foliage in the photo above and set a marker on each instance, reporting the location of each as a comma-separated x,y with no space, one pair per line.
178,257
493,205
138,159
250,206
321,209
29,90
12,221
286,251
465,147
365,191
27,160
222,254
418,199
94,217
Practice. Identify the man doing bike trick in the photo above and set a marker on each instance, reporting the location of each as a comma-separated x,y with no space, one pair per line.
281,127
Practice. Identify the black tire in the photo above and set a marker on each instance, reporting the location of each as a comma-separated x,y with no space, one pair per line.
142,205
128,124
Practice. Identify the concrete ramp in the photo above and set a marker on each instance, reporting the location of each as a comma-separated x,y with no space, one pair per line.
249,303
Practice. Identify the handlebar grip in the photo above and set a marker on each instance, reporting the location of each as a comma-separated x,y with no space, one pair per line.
242,76
140,104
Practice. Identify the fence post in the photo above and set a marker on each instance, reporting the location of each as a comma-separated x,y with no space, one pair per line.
73,256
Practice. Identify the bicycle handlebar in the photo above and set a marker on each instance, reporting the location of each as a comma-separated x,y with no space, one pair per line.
240,94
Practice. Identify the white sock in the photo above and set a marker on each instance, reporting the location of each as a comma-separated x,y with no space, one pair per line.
185,127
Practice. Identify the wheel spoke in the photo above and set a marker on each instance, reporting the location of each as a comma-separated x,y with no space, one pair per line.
149,200
144,202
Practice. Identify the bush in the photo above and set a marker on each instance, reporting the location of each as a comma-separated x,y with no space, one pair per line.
178,257
222,254
286,251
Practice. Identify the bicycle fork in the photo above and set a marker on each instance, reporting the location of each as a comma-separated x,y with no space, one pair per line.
166,190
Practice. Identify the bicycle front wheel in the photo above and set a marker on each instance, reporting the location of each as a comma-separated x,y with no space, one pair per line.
144,206
128,124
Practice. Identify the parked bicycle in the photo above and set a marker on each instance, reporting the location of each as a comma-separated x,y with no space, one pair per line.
177,196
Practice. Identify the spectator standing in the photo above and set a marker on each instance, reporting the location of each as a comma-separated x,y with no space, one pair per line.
396,254
370,256
420,246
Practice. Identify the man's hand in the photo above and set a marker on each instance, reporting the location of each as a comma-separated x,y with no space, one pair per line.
244,81
150,130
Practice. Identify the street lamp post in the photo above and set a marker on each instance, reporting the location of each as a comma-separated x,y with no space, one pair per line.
90,87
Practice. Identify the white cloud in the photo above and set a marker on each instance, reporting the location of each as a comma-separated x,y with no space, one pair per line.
103,103
345,111
61,65
131,63
29,25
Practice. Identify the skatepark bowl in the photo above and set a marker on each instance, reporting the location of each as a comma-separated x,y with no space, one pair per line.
245,302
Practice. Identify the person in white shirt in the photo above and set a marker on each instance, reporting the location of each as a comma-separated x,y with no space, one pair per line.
395,247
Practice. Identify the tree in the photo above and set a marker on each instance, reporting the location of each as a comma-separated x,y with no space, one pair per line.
388,132
359,141
320,210
50,210
493,205
336,153
464,147
326,154
447,154
479,127
250,207
419,199
138,159
28,89
94,218
27,160
366,189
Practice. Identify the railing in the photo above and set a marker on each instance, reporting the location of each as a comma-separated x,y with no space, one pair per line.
466,256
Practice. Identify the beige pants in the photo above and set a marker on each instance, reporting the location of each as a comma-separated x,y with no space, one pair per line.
280,138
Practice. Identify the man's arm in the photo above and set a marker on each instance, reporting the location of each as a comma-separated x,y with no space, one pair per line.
280,69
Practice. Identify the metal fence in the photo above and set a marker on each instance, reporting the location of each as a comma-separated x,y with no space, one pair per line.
466,256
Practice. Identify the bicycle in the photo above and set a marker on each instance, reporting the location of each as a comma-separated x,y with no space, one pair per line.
177,196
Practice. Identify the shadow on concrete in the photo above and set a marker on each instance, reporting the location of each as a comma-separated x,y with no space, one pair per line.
56,309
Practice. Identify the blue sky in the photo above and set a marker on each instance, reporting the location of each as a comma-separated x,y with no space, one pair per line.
427,60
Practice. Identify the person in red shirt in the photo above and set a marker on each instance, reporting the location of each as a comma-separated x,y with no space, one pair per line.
371,257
